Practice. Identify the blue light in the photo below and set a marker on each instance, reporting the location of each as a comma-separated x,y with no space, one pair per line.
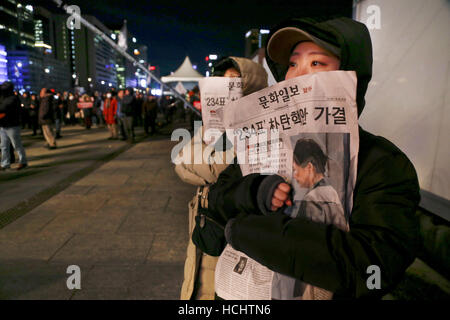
3,65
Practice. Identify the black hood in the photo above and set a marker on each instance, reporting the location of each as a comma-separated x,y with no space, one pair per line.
350,36
7,89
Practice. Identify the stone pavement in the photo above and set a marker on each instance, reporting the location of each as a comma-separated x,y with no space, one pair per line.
78,151
125,225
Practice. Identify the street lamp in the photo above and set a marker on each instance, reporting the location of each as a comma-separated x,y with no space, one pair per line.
47,70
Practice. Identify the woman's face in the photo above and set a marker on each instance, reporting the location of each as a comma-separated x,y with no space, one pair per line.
304,176
308,57
232,73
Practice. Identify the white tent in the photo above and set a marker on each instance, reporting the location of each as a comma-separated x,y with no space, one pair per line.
185,73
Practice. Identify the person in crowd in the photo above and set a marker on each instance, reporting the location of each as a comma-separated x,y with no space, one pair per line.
128,109
46,116
72,108
95,107
121,116
199,267
383,228
100,101
25,115
33,112
10,111
65,110
163,104
85,105
180,112
110,114
58,108
149,110
137,115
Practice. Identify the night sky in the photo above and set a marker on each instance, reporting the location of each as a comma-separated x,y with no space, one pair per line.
173,29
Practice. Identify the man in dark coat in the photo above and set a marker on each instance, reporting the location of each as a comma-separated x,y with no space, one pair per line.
10,111
46,116
58,109
128,109
383,228
149,109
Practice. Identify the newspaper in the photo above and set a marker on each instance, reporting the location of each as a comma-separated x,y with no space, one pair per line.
239,277
215,93
306,130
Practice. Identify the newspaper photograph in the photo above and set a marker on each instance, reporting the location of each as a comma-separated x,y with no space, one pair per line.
306,130
248,280
215,93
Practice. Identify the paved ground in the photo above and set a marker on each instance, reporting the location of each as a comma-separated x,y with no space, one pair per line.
78,150
124,225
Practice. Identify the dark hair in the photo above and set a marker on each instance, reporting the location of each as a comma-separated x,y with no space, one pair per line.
307,150
222,65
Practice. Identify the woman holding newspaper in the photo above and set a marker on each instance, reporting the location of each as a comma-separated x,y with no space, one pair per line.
199,267
382,225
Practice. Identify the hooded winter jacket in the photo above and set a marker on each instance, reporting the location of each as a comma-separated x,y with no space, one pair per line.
198,272
383,226
9,106
254,78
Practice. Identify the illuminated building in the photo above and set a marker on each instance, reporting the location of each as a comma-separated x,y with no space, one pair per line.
255,39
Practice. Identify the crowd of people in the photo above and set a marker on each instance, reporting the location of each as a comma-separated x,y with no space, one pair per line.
48,111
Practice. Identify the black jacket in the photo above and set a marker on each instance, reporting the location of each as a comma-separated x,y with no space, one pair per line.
383,225
46,112
128,105
9,106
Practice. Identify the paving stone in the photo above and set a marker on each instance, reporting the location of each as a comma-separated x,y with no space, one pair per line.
29,224
103,223
148,223
118,190
104,180
140,203
77,190
159,281
118,163
39,246
29,279
69,222
120,249
69,203
101,294
169,247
